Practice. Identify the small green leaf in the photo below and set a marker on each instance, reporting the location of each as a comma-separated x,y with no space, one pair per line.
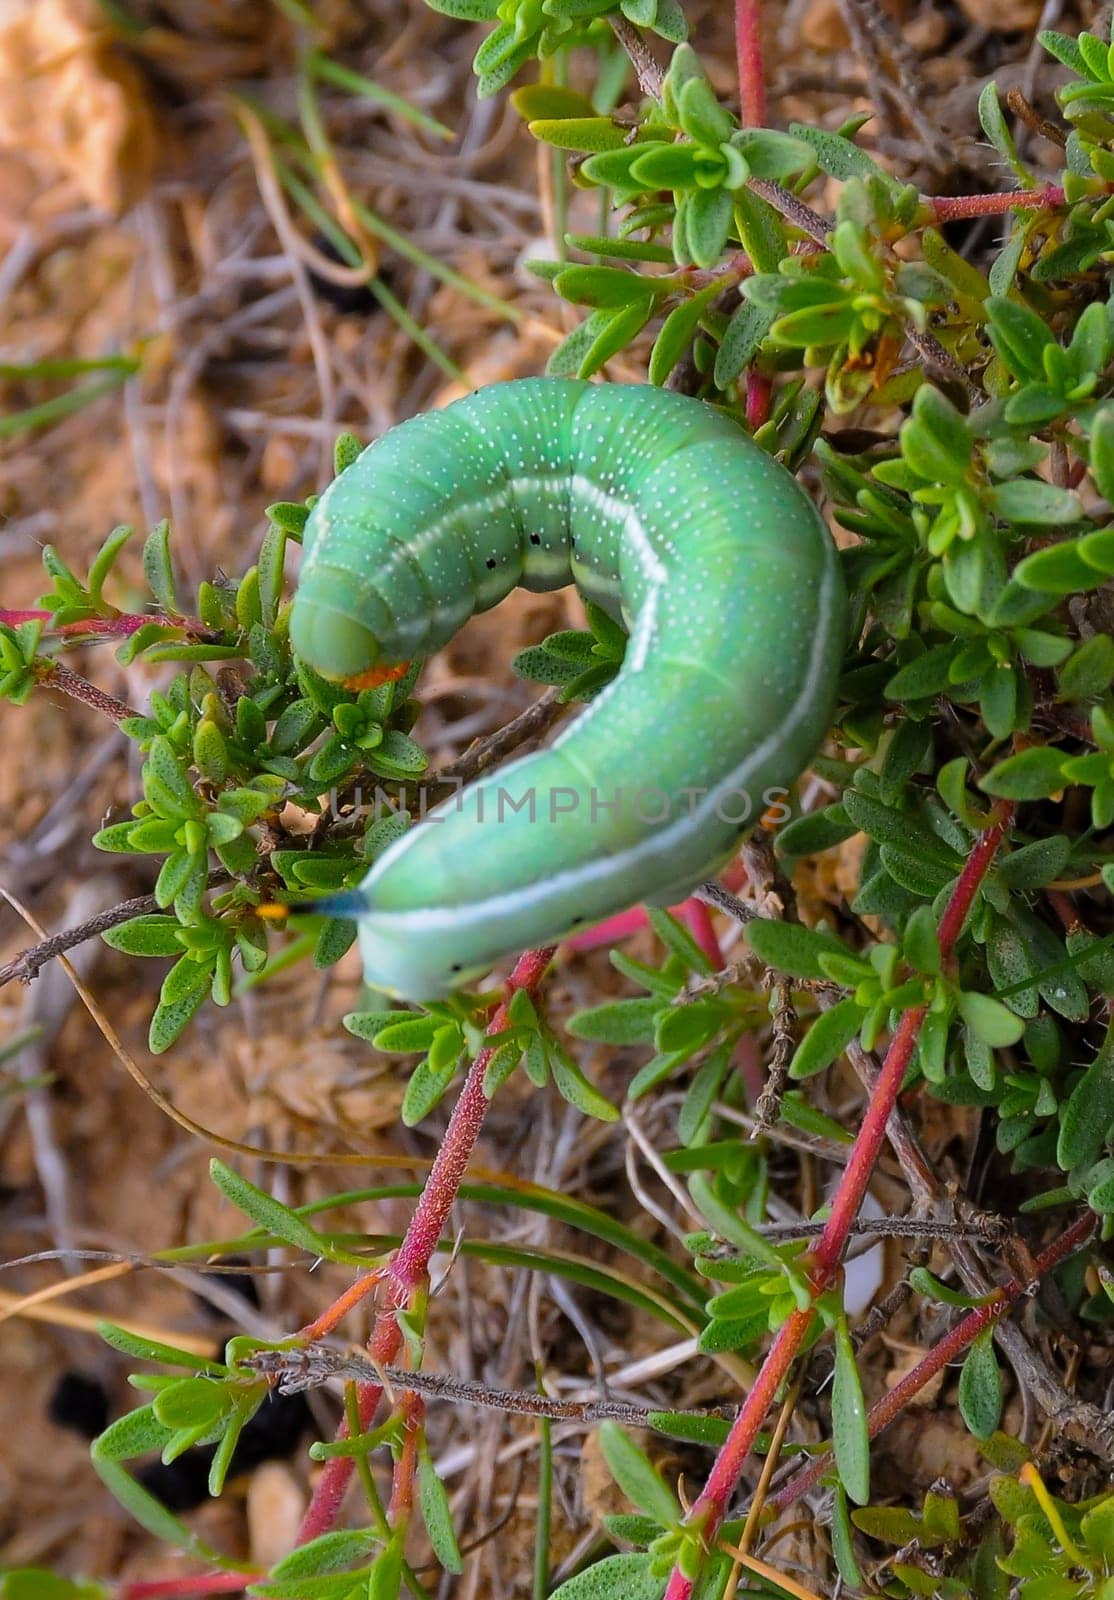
827,1039
708,218
328,1553
997,130
1087,1119
790,948
1035,864
37,1583
743,335
615,332
171,1017
702,1093
849,1429
1089,670
926,674
1059,569
1019,336
602,287
574,1087
436,1515
989,1020
678,331
146,936
920,942
637,1477
1029,500
267,1212
591,134
701,116
837,156
843,1545
1102,451
619,1022
934,440
158,568
629,1577
425,1089
1031,774
924,1282
980,1387
677,938
131,1344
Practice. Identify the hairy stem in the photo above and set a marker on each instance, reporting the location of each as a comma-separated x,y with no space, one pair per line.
203,1583
53,675
953,1344
28,963
407,1272
711,1506
948,208
748,53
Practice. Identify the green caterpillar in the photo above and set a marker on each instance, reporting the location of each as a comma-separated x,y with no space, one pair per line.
666,515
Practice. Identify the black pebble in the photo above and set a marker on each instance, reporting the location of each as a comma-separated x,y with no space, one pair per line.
79,1402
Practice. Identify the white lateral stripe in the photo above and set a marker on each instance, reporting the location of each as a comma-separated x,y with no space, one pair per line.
612,507
461,917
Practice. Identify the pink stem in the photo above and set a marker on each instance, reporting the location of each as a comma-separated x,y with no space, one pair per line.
410,1264
698,918
950,207
121,626
627,923
405,1469
759,389
13,618
964,1334
748,50
623,926
711,1506
201,1584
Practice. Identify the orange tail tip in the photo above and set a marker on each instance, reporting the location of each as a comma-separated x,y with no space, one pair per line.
345,903
374,676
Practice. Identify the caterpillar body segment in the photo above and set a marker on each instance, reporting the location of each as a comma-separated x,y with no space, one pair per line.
665,514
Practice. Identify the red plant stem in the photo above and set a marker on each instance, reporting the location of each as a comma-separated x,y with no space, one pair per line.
711,1506
408,1268
324,1324
964,1334
122,625
402,1480
12,619
949,207
202,1583
977,865
627,923
622,926
748,50
759,389
699,920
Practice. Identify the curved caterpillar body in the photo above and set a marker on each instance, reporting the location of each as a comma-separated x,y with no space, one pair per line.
665,514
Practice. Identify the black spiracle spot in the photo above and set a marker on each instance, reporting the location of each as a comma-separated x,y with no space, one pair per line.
490,563
535,538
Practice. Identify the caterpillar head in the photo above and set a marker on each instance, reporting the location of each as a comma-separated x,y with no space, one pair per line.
332,643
